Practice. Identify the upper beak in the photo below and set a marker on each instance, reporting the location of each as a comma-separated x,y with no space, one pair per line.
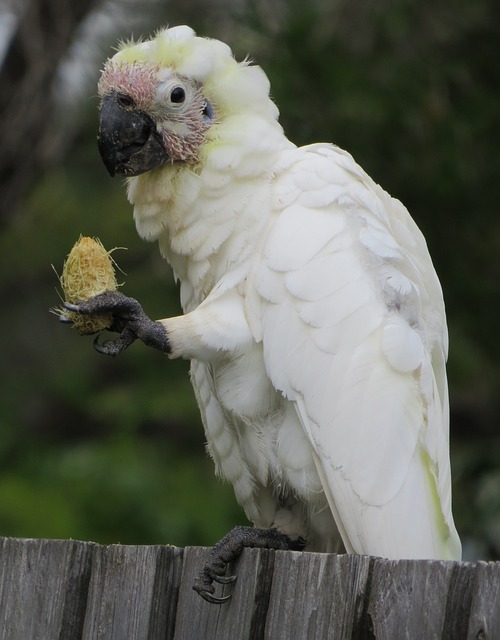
128,141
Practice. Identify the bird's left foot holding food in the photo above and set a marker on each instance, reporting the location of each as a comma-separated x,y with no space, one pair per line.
229,548
129,320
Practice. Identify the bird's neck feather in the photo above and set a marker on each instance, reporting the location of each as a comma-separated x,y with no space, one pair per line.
206,218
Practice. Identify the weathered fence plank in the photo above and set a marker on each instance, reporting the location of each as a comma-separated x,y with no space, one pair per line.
317,596
484,619
406,597
133,593
43,588
68,590
243,616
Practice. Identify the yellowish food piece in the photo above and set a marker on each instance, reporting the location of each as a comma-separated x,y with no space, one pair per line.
88,271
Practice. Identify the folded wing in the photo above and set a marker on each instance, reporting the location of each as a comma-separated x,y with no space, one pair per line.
351,317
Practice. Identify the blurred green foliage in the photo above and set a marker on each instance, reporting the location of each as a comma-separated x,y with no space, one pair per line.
113,450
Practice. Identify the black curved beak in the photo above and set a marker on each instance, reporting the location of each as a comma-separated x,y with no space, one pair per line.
128,141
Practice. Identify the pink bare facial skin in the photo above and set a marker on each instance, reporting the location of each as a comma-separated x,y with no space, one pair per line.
182,130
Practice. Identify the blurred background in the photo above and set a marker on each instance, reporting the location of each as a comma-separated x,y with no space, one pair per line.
113,450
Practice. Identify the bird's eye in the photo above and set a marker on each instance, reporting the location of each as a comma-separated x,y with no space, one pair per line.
124,100
178,95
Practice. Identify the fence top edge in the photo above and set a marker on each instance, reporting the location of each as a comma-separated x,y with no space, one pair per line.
199,549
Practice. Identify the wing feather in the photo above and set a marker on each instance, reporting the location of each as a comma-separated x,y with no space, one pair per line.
354,334
292,244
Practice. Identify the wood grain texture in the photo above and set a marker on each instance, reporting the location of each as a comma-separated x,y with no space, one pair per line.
317,596
43,588
69,590
484,618
407,596
243,616
133,593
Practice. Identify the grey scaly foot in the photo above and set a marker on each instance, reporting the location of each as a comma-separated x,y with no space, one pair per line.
229,548
129,320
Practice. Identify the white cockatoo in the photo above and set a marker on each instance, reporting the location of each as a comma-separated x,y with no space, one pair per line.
313,317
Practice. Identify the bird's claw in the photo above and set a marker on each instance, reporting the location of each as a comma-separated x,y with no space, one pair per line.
129,320
70,307
204,585
114,347
225,579
209,597
230,548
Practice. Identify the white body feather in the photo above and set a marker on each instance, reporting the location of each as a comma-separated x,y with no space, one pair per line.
315,324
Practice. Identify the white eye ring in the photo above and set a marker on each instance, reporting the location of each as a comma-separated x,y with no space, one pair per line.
172,93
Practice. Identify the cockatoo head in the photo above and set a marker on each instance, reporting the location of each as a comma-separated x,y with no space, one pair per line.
164,99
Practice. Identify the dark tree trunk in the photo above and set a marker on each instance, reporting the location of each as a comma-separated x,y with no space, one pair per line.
28,129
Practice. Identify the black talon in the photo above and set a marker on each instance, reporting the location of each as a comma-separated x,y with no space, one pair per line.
214,599
205,588
71,307
114,347
225,579
101,348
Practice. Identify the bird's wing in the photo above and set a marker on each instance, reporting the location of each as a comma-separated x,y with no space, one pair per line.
351,317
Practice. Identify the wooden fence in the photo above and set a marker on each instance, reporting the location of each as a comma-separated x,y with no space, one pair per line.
69,590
